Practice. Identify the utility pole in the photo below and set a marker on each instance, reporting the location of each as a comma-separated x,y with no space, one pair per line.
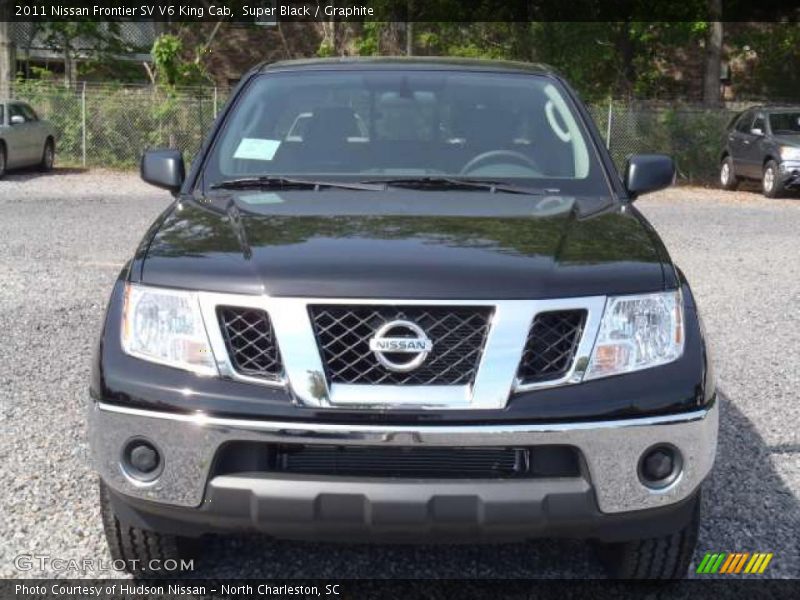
7,57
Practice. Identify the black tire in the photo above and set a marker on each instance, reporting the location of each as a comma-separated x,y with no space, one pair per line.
138,549
666,557
727,176
48,156
3,160
770,183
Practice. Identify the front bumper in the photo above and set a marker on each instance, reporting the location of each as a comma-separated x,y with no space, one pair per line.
279,503
790,173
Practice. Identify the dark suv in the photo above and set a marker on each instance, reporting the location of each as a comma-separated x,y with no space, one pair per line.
763,143
432,311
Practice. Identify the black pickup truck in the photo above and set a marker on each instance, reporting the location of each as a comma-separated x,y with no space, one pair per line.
404,300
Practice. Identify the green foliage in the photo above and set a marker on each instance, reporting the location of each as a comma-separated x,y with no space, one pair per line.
166,54
770,55
172,68
368,44
326,49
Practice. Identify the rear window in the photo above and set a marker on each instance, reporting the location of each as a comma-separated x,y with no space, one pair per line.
785,123
364,124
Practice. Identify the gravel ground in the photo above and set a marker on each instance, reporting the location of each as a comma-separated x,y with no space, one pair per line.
66,235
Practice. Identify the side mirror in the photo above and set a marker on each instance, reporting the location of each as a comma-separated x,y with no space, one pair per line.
646,173
17,119
757,131
164,169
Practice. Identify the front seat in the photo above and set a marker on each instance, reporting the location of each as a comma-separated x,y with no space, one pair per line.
325,140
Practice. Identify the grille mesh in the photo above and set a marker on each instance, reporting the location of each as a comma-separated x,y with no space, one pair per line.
250,341
457,333
552,342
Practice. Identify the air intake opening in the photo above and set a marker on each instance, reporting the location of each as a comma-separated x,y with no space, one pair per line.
399,462
250,341
552,342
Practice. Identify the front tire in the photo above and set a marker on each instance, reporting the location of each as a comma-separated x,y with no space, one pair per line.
727,176
48,157
3,160
770,183
139,549
666,557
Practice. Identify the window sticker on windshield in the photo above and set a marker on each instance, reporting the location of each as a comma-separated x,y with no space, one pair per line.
257,149
261,198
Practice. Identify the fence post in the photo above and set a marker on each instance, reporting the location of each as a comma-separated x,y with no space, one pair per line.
215,102
83,124
608,122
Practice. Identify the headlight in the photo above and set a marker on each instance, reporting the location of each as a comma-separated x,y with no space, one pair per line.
637,332
790,153
166,327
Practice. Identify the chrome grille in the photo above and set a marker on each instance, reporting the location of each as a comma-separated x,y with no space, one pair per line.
343,334
250,342
551,345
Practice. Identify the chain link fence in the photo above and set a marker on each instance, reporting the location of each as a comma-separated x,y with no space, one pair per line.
691,134
110,126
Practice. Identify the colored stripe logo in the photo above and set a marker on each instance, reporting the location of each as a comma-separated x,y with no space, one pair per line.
732,563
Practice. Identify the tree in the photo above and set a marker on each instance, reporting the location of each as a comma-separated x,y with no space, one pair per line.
80,39
7,60
713,59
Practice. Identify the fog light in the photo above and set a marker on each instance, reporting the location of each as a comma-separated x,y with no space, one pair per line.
141,460
660,466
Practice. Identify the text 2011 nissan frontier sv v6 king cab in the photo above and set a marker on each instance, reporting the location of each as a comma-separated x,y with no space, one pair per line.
404,300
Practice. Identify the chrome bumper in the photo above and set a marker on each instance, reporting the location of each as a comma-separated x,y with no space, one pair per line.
790,173
611,449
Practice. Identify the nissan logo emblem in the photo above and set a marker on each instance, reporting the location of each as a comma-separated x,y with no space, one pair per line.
399,339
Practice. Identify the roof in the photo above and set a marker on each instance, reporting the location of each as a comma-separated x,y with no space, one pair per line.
775,107
414,62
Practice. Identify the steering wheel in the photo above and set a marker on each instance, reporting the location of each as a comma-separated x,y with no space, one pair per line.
498,156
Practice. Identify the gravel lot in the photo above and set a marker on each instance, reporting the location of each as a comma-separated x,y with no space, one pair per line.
66,235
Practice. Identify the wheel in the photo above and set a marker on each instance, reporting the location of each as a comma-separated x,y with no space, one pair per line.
666,557
48,156
770,184
2,160
727,177
143,552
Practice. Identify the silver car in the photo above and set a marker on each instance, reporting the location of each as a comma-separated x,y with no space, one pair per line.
25,140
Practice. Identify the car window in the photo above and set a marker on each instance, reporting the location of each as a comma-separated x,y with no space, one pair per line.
28,112
760,123
2,113
15,110
785,123
370,124
743,124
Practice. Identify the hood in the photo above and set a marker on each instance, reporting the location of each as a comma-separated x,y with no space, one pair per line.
405,244
788,140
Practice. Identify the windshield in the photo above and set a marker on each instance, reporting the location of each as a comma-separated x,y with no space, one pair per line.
785,123
374,125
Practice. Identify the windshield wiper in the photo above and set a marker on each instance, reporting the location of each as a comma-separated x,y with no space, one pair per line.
450,183
283,183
